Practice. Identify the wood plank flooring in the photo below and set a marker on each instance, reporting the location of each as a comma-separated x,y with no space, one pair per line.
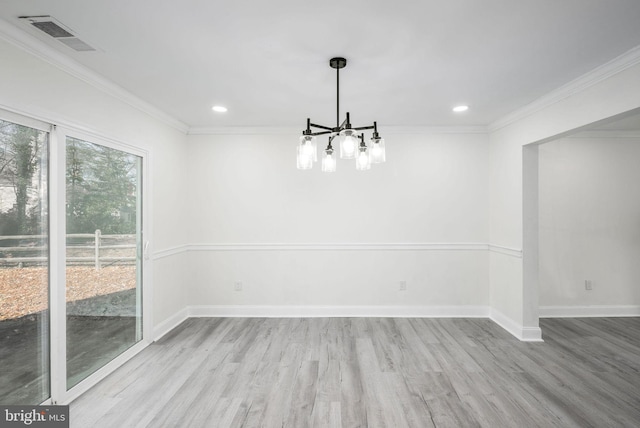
374,372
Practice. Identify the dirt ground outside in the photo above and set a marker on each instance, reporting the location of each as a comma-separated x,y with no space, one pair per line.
23,291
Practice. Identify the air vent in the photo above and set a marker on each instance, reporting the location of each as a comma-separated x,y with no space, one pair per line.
55,29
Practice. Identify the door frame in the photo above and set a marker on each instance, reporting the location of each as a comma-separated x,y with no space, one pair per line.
57,304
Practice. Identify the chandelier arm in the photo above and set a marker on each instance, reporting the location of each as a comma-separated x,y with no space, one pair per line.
321,126
361,128
321,133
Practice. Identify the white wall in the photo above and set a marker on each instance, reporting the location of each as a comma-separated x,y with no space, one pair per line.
611,90
589,221
35,87
432,190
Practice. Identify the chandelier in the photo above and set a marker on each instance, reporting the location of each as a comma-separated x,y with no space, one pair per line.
352,143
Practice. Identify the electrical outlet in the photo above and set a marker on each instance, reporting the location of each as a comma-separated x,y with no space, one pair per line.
237,286
588,284
402,286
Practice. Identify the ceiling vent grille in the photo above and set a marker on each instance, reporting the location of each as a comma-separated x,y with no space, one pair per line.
55,29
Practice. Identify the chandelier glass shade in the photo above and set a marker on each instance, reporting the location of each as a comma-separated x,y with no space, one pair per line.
307,152
363,156
329,160
376,151
351,140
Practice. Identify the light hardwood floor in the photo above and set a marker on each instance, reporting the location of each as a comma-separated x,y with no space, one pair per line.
374,372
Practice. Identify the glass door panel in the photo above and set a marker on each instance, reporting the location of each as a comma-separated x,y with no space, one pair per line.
103,268
24,265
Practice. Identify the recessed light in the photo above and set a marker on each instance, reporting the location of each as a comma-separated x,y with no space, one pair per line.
219,109
460,109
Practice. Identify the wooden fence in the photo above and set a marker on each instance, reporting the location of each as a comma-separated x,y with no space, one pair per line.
82,249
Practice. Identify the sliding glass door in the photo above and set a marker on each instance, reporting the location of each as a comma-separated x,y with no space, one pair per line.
103,263
24,263
70,259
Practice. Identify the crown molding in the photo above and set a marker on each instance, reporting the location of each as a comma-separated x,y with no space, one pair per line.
386,130
593,77
405,130
606,133
39,49
244,130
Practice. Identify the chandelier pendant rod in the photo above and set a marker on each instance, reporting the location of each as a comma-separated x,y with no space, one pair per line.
338,97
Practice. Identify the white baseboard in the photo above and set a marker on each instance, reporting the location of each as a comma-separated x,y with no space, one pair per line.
170,323
525,334
340,311
530,334
589,311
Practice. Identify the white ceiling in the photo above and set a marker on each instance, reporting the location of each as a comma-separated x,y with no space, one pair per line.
410,62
